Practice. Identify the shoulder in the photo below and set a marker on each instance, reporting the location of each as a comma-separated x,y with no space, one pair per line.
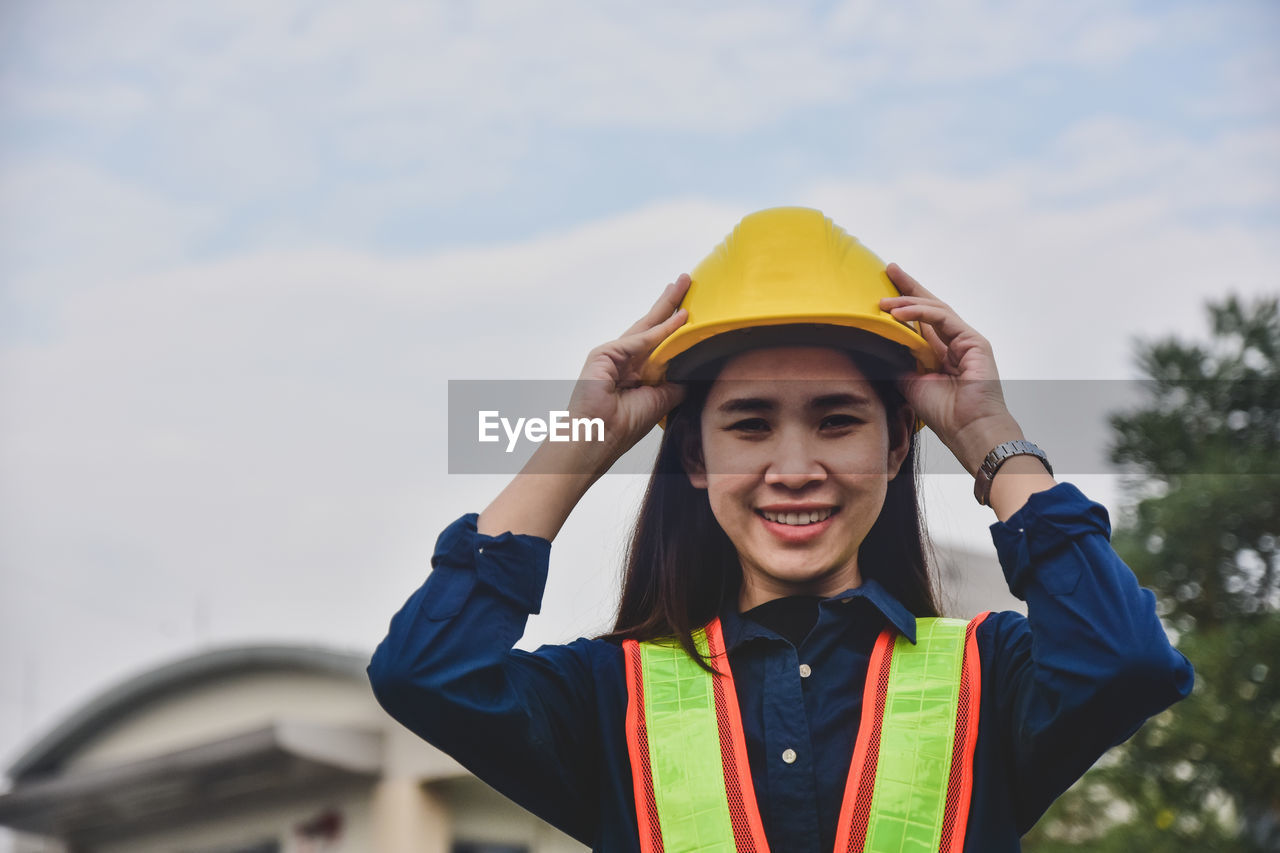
1003,635
585,656
585,679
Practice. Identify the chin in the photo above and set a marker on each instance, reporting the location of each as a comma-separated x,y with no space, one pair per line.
804,581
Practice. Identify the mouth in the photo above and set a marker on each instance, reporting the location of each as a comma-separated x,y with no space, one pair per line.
799,519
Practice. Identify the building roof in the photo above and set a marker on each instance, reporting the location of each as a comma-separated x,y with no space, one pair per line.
119,701
226,772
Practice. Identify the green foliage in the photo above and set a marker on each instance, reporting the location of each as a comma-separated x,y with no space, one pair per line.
1203,535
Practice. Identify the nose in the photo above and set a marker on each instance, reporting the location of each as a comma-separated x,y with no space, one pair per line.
795,462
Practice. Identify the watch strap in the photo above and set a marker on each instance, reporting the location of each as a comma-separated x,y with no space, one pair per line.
1000,454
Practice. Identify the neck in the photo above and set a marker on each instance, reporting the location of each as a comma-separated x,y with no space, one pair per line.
756,591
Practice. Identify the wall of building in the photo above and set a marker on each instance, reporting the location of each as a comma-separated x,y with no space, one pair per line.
284,821
481,814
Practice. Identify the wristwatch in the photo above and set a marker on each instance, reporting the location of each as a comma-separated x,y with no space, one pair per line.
997,457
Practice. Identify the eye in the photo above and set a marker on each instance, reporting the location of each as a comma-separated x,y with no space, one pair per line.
750,425
840,421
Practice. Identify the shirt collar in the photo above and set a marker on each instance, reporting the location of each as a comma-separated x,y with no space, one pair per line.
738,630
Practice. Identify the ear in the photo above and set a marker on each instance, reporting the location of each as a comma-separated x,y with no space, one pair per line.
900,429
691,458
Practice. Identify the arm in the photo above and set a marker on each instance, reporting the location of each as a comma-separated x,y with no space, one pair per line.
448,670
963,402
1091,661
1089,664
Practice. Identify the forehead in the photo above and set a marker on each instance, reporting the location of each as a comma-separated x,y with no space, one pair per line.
808,377
790,363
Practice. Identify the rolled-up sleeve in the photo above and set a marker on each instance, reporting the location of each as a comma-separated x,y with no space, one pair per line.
448,671
1091,660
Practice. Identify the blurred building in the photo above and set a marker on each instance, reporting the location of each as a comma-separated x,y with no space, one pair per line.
264,749
278,749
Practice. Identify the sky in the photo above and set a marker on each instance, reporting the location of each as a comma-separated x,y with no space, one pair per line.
244,246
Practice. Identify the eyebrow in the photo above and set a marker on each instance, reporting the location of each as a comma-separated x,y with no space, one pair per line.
767,404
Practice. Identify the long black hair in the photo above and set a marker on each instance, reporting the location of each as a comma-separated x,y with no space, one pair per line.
682,567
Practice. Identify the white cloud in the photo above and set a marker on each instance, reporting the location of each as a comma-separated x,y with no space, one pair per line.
301,121
1249,88
1113,157
967,39
97,102
720,67
62,214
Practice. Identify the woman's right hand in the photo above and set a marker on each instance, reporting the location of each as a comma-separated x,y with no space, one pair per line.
609,386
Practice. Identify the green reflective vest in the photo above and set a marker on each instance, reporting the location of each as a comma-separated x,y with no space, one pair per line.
911,775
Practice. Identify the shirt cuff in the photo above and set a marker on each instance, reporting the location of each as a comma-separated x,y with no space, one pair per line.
513,565
1029,542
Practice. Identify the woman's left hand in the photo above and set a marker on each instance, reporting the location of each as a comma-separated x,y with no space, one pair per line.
962,402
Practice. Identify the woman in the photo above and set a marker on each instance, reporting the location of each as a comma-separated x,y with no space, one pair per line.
777,580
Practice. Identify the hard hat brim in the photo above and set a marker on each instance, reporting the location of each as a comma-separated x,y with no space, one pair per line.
690,347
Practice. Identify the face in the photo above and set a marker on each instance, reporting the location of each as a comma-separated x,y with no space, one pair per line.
797,454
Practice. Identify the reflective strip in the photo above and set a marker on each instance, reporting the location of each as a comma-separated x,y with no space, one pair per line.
684,749
744,813
960,784
916,739
855,811
638,751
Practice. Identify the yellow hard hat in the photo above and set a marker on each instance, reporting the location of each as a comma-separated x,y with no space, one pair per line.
787,275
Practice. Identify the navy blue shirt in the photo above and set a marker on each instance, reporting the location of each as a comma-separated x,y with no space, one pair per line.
1080,673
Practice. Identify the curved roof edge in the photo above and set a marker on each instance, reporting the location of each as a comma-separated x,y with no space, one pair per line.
119,701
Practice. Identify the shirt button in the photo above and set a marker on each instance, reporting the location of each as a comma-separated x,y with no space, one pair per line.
789,756
480,550
805,671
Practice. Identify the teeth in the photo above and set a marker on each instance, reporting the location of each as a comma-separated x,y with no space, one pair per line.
798,518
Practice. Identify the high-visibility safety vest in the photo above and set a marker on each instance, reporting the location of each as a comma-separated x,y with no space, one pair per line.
910,779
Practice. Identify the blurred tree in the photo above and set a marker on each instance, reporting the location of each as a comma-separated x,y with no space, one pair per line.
1202,532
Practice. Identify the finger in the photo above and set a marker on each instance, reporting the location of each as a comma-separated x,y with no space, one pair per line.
643,342
667,303
890,303
944,321
887,302
628,353
945,356
906,284
671,394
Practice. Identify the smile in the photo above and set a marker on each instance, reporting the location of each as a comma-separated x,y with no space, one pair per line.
798,519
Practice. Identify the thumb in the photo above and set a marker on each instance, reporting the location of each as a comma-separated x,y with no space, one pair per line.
663,398
671,394
917,390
